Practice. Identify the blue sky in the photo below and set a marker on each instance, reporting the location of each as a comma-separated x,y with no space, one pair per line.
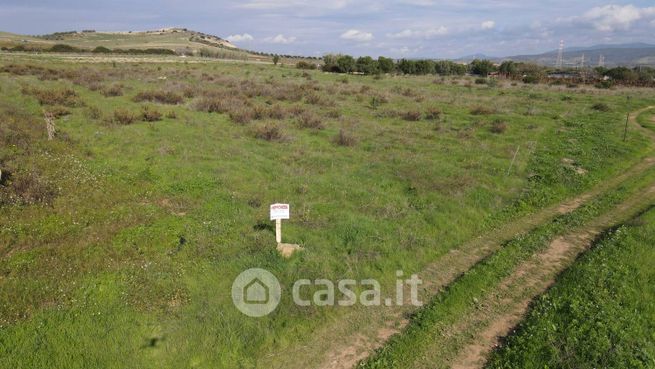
402,28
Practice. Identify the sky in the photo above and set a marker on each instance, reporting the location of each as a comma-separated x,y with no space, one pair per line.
400,28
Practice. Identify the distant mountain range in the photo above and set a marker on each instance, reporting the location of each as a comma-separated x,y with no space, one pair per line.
632,54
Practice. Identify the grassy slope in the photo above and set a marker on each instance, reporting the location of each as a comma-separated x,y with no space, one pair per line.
135,40
600,312
135,256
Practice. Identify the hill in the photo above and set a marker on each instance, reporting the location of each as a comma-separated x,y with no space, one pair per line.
620,54
169,38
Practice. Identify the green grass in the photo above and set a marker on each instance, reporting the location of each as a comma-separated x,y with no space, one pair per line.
430,324
599,314
130,257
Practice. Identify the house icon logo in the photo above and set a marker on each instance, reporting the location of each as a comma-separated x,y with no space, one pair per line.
256,292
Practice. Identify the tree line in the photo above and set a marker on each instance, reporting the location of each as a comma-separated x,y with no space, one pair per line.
523,71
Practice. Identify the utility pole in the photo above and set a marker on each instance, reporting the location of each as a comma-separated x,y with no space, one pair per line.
560,52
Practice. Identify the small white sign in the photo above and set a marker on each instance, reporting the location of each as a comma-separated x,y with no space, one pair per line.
279,211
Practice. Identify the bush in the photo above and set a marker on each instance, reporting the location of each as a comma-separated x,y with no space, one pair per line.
58,111
65,96
480,81
63,48
433,113
343,138
498,126
124,117
604,84
310,120
601,107
305,65
113,90
149,114
268,132
482,110
241,115
93,112
412,115
162,97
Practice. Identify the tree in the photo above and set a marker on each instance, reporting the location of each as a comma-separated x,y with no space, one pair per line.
508,68
482,67
346,63
407,66
276,59
424,67
386,65
366,65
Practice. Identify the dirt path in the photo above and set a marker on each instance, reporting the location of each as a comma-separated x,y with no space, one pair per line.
531,279
351,338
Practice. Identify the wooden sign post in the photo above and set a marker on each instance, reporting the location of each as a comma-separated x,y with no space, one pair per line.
279,212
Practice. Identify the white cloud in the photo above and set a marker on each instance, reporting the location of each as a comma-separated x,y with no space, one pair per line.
281,39
421,33
609,18
488,24
357,35
240,38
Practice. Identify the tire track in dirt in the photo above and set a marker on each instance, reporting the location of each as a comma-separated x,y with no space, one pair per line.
536,276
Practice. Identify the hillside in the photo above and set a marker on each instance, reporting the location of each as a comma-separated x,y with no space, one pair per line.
615,55
169,38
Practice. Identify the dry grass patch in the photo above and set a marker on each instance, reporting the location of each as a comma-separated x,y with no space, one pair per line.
162,97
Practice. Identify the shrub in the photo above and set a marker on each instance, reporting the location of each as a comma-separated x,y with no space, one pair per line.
433,113
149,114
211,104
412,115
605,84
498,126
65,96
601,107
124,117
241,115
58,111
93,112
305,65
480,81
482,110
310,120
343,138
113,90
268,132
162,97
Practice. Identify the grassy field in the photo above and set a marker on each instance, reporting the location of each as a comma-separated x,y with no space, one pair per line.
600,312
120,238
